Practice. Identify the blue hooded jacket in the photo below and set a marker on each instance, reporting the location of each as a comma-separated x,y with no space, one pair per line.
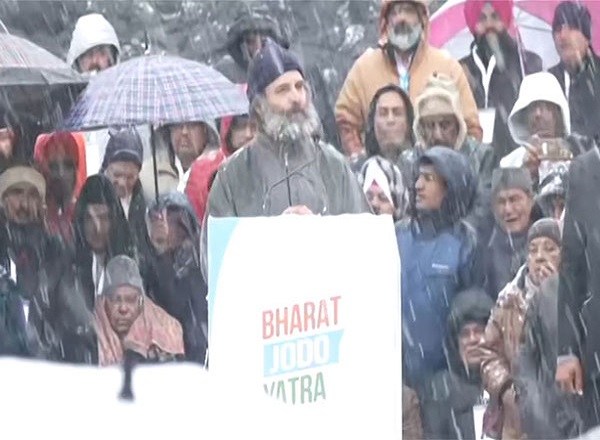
438,256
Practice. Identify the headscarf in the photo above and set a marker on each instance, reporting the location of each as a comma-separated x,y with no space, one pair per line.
388,177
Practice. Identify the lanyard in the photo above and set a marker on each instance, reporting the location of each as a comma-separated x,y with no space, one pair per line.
404,75
486,74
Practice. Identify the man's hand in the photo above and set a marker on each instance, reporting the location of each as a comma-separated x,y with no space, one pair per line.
569,376
298,210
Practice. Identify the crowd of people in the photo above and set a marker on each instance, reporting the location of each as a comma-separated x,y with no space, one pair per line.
498,234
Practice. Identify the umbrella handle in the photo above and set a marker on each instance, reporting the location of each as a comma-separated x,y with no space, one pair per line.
154,162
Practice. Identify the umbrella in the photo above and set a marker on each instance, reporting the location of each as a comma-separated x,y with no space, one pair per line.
35,86
532,21
156,89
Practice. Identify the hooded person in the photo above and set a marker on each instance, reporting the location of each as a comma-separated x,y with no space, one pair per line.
175,280
61,158
101,232
504,246
245,38
540,123
389,129
577,71
127,320
236,133
122,165
457,393
286,167
94,44
384,188
437,249
403,57
504,337
495,68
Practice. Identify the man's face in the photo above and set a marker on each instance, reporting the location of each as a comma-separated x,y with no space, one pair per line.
96,225
252,43
167,231
123,306
404,25
23,204
6,142
390,122
430,189
241,132
287,94
543,259
96,59
123,176
571,45
489,22
440,130
469,341
63,173
379,201
513,210
189,141
544,119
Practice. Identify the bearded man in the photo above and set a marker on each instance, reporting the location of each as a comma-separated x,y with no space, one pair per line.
495,68
286,168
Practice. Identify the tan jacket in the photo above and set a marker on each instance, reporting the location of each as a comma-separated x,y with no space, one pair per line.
374,70
411,415
503,339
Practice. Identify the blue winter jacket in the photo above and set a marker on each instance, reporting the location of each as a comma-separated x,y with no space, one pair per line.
437,252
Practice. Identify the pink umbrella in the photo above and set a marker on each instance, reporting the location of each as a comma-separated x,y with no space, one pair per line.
532,20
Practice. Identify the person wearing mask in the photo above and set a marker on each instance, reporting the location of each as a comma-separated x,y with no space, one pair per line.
495,68
60,156
245,38
127,320
504,336
457,393
236,132
101,233
122,164
438,253
389,129
384,187
405,58
176,283
40,266
286,168
505,247
577,71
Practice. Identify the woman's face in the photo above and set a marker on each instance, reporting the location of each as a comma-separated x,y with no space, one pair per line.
543,259
123,306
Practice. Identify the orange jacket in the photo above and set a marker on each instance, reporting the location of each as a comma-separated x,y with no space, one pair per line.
374,69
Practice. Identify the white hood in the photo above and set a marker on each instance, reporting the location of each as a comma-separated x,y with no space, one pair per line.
90,31
541,86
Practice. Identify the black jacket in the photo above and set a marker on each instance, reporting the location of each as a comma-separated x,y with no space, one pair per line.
579,288
503,91
584,96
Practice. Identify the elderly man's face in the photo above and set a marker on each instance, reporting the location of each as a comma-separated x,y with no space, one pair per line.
439,130
489,22
123,306
287,94
189,141
513,210
23,204
96,59
544,119
124,176
391,124
571,45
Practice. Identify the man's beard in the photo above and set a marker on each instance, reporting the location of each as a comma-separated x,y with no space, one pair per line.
294,126
404,36
501,46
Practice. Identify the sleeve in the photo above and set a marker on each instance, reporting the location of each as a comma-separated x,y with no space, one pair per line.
469,106
220,199
349,112
573,275
355,201
495,368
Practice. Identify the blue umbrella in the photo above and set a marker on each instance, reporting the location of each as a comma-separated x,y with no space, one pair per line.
158,90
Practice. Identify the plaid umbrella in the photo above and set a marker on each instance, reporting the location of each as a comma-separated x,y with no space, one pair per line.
156,89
